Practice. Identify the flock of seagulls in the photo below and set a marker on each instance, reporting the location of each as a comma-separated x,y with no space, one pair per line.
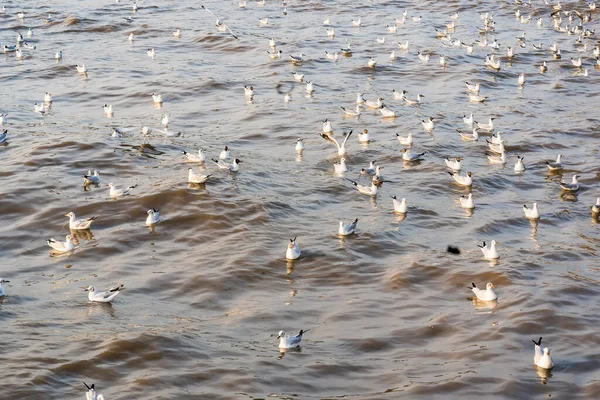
571,22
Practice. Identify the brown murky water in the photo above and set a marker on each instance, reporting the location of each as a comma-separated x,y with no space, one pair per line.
208,289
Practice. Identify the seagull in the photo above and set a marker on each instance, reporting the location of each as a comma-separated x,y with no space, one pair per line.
309,87
61,247
378,178
414,102
233,167
399,206
406,141
571,187
327,127
200,157
91,393
108,109
351,113
298,77
372,63
399,95
596,208
297,59
497,140
488,127
196,178
249,91
326,21
485,295
347,51
370,170
348,229
468,120
356,23
177,33
21,15
490,252
403,46
408,155
272,43
455,164
3,136
375,104
342,148
299,146
131,37
3,119
467,201
48,97
165,120
103,297
393,55
157,98
473,136
443,62
423,57
153,217
427,124
555,166
472,88
287,98
519,166
39,108
542,360
293,251
476,98
275,54
392,28
2,290
387,112
521,79
544,67
360,98
225,154
331,33
364,136
151,53
89,178
290,342
341,167
59,55
263,22
532,213
463,180
577,62
76,224
493,159
82,69
380,40
116,192
370,191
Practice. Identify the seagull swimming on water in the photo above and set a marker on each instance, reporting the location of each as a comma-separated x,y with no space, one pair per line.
2,290
91,178
352,113
557,165
531,213
290,341
484,295
103,297
225,154
463,180
467,201
341,167
347,229
399,206
76,224
489,253
428,124
61,247
234,166
197,178
408,155
116,192
571,187
293,251
200,157
299,145
153,217
455,164
519,166
406,141
341,148
368,190
542,359
3,136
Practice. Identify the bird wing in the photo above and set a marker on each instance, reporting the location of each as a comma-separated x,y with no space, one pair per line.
330,139
230,31
346,138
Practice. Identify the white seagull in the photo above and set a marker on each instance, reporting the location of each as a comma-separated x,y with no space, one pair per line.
116,192
557,165
490,252
542,359
484,295
408,155
196,178
455,164
571,187
234,166
153,217
348,229
519,166
463,180
341,148
2,290
299,145
428,124
103,297
533,213
399,206
467,201
288,341
76,224
225,154
368,190
406,141
200,157
293,251
341,167
61,247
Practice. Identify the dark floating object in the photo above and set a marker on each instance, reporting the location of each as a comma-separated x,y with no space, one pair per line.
453,250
